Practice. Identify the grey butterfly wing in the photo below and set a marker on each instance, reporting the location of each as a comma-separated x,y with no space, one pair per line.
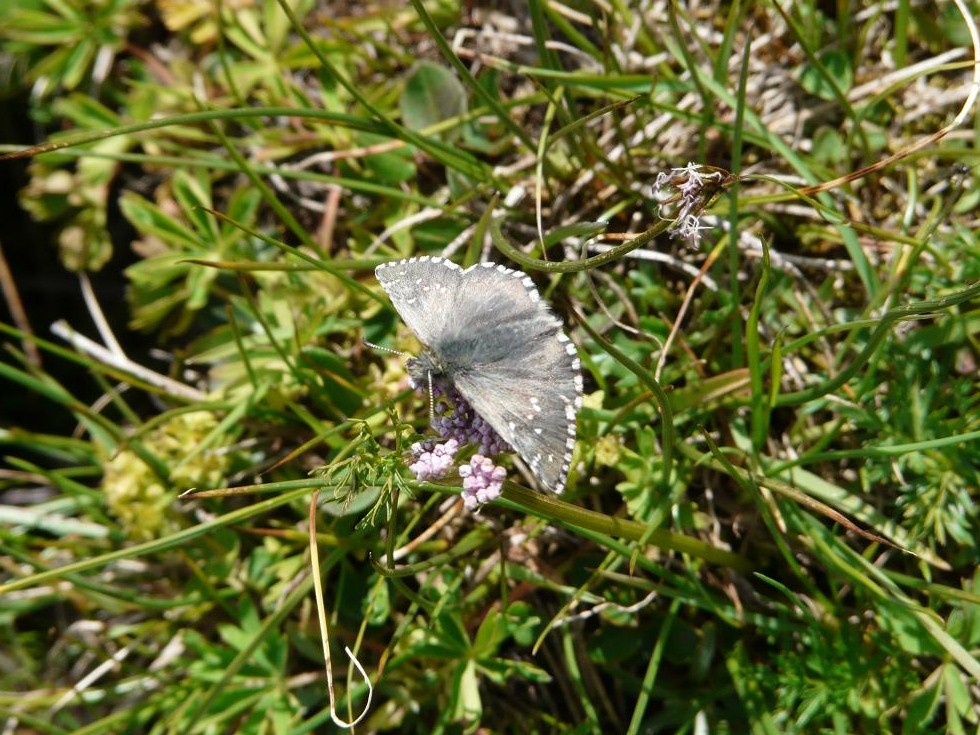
508,356
423,291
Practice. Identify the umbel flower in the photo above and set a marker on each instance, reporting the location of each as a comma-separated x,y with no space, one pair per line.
134,493
458,424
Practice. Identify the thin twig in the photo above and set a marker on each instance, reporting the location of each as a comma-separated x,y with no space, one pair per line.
12,296
324,235
432,530
90,678
604,606
325,633
80,342
682,312
425,215
95,311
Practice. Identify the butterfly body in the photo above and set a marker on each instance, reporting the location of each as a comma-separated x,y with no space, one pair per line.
486,331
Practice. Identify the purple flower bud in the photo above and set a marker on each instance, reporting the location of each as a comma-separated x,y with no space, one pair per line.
456,419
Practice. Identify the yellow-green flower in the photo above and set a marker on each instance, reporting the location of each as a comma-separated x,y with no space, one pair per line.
136,495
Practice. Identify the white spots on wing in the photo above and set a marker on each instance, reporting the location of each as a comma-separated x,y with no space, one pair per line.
529,287
538,431
570,444
569,411
512,426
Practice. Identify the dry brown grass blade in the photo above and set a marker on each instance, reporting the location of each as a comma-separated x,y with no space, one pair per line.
12,296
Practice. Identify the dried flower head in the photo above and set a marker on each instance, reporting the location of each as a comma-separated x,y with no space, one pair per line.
684,193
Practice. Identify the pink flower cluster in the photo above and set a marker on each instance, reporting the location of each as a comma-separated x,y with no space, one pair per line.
432,460
482,481
458,424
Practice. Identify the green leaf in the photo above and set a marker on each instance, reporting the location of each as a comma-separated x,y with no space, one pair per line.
837,66
378,604
958,698
489,636
523,623
242,209
432,94
199,282
86,112
922,707
468,705
194,195
43,29
389,167
906,628
77,64
828,146
149,219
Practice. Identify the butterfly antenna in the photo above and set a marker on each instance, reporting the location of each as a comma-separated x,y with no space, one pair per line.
432,398
382,348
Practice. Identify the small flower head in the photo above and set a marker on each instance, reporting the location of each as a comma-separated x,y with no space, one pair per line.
482,481
134,493
458,424
456,419
432,461
685,193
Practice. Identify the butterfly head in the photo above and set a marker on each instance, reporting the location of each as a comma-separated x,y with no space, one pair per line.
424,370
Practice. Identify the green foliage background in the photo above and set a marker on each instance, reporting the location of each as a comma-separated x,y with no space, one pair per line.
771,522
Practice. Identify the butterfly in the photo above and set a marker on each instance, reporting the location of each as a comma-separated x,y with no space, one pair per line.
486,331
